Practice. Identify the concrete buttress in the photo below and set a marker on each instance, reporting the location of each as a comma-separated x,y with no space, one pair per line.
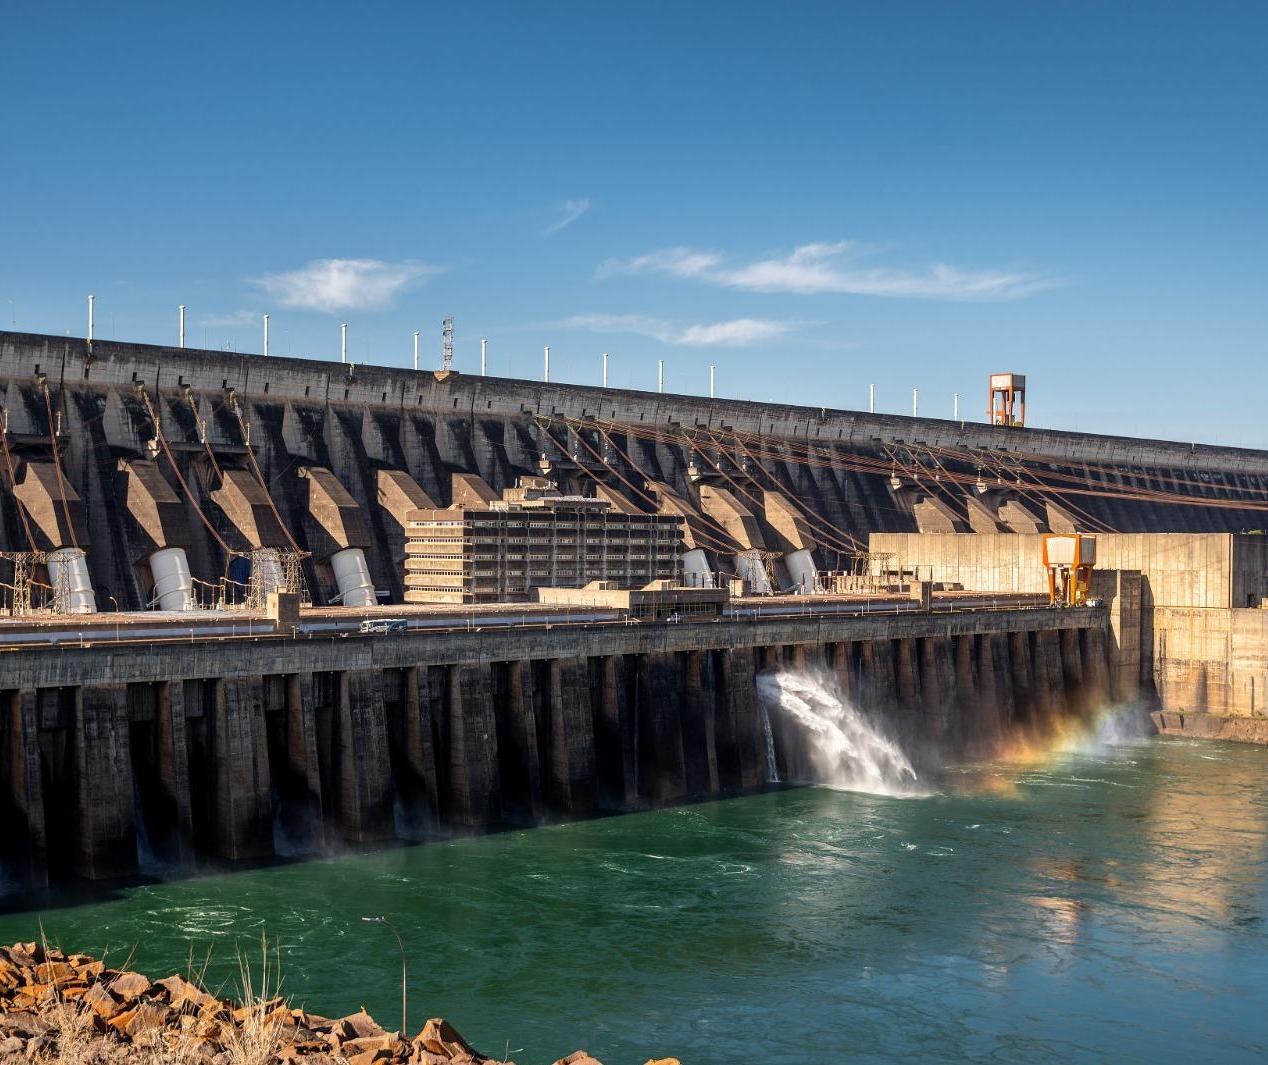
475,797
572,761
25,793
421,782
699,730
614,737
365,767
105,827
1049,675
1096,674
662,772
173,767
938,691
742,751
518,747
242,824
1072,667
302,765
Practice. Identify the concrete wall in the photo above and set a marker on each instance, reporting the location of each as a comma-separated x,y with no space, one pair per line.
292,745
1179,569
358,420
1213,661
1201,651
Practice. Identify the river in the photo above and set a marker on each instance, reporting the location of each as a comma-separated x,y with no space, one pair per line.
1105,904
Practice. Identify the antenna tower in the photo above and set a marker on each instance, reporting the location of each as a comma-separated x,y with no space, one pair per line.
446,344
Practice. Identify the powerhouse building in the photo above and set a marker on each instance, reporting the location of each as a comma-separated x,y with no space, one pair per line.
500,549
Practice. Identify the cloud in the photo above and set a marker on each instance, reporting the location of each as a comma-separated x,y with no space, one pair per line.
344,284
236,318
569,212
737,333
831,268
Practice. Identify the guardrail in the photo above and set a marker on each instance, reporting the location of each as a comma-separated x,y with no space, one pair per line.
474,622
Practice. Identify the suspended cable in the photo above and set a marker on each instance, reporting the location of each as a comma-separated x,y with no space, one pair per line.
189,493
57,464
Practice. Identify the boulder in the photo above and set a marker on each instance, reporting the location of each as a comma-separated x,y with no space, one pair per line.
147,1018
356,1026
579,1057
57,973
389,1041
181,994
104,1004
128,986
440,1037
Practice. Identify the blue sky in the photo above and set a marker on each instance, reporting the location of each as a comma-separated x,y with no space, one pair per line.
813,197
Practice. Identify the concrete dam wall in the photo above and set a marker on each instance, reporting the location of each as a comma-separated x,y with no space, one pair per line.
178,755
127,450
1200,617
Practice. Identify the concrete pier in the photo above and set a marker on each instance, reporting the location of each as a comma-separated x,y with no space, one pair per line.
184,754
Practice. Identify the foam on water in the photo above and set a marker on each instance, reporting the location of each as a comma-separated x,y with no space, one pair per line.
844,749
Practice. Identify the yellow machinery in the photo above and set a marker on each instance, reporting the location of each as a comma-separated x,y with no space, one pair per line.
1069,559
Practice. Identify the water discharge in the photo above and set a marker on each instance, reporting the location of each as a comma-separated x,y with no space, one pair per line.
1092,913
829,741
772,766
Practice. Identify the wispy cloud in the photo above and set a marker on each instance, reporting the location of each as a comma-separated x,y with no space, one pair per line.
736,333
344,284
569,212
234,319
831,268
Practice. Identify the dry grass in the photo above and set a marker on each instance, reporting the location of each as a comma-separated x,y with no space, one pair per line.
76,1039
260,1035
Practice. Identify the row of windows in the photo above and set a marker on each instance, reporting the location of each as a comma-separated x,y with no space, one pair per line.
615,522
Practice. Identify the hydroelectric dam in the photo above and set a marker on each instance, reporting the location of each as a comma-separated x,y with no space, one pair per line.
262,606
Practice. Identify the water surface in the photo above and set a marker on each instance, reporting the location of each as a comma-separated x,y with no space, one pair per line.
1105,906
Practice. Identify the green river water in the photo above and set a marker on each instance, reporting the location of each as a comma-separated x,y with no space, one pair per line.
1106,905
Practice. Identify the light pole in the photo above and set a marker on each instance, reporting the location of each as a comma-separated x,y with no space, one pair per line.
115,602
400,943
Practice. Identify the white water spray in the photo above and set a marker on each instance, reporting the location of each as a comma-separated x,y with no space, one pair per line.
840,748
772,767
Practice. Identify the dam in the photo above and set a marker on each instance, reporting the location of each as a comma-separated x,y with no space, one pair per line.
328,742
261,683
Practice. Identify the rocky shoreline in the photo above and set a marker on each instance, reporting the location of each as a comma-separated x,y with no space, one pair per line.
71,1009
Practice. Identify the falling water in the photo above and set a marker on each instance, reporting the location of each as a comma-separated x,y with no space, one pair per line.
147,860
840,747
772,768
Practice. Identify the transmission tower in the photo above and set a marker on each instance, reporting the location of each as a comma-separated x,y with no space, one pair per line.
446,344
24,563
275,570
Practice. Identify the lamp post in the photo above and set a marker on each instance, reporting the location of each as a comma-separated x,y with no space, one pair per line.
115,602
400,943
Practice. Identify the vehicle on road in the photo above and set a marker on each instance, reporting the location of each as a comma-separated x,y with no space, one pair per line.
384,625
